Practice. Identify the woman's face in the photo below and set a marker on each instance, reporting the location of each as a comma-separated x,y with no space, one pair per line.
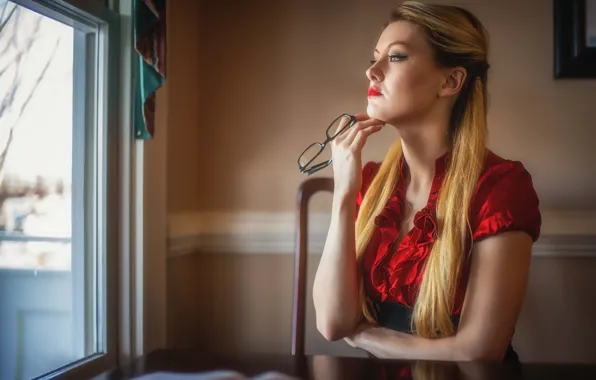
405,82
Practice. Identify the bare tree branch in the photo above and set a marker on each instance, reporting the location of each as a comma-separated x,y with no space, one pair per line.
16,84
10,43
23,108
15,14
38,81
11,61
9,99
12,11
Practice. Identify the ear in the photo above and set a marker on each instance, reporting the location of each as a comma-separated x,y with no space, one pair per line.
453,82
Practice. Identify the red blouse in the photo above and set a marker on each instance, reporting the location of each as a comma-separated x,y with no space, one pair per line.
505,200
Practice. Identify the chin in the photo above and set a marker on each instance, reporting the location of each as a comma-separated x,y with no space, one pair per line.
376,112
373,111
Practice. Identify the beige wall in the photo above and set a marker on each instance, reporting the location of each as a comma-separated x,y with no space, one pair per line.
241,303
184,109
250,84
257,83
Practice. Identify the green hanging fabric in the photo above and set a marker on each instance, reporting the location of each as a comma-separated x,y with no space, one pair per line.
150,44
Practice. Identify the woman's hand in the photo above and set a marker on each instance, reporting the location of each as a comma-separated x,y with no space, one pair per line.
379,342
346,150
361,329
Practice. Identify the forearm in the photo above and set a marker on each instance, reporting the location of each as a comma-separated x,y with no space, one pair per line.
388,344
335,289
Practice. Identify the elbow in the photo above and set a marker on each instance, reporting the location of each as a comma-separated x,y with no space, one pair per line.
469,347
330,333
334,330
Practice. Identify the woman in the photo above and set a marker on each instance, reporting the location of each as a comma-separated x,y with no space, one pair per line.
436,265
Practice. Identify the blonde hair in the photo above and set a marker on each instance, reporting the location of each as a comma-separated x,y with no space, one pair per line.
458,39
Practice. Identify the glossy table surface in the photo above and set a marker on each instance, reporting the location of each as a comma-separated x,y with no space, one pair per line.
197,365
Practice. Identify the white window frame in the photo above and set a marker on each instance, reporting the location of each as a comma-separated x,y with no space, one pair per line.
123,292
130,276
142,265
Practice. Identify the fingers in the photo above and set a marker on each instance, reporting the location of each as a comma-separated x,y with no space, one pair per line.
362,135
342,124
357,128
360,117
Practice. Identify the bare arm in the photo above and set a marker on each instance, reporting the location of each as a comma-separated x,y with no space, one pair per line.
335,289
494,296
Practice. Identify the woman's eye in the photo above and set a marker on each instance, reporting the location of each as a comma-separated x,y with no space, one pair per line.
397,57
392,58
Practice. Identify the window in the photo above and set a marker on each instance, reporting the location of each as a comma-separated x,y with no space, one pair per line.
58,161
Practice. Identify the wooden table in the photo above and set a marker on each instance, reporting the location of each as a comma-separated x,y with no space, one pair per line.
335,368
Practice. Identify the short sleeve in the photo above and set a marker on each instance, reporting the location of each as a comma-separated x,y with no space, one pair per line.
369,171
510,204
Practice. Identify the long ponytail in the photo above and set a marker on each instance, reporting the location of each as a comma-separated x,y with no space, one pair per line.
458,39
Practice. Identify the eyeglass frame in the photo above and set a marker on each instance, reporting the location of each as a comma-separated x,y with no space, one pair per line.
322,145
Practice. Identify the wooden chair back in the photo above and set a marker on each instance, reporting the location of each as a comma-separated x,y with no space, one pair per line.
305,192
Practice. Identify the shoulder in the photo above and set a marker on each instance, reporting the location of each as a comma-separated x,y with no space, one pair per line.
505,199
504,179
501,171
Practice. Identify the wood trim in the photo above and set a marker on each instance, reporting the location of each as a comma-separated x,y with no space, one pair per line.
564,234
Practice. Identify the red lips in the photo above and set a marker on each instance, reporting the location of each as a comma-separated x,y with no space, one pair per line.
374,92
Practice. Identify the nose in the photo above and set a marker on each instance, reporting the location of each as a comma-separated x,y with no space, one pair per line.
374,73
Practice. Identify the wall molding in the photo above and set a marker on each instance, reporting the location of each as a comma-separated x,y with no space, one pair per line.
564,234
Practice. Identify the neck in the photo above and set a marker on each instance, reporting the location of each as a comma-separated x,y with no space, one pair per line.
424,139
421,150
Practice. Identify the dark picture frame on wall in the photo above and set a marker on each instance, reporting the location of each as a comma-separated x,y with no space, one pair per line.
575,38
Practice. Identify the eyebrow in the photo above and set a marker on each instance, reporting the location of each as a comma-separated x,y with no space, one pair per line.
393,43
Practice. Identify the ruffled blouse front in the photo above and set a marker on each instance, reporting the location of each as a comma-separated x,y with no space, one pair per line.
505,200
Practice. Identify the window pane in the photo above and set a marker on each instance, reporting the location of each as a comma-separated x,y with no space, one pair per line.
48,193
36,126
35,254
36,318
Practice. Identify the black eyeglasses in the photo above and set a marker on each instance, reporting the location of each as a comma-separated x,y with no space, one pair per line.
311,161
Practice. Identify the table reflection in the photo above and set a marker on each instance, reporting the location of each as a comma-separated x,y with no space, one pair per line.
331,368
